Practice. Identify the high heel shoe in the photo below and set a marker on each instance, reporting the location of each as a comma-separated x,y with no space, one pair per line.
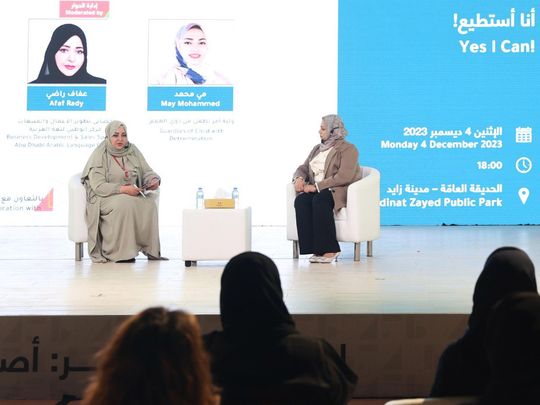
314,259
323,259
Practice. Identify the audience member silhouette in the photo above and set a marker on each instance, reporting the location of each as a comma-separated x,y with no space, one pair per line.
513,351
463,368
155,358
260,357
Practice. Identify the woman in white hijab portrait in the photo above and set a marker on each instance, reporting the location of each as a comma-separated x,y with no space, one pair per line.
191,66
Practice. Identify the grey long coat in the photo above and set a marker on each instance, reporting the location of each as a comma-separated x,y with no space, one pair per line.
341,168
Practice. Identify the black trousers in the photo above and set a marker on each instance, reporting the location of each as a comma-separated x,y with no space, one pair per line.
315,223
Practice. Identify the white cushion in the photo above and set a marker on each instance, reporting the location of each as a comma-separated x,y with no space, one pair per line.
341,215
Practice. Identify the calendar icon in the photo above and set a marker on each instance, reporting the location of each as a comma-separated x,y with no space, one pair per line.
523,135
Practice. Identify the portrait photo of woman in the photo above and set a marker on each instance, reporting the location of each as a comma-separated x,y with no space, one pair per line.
66,58
192,47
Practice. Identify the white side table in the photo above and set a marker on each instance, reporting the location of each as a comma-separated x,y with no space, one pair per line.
215,234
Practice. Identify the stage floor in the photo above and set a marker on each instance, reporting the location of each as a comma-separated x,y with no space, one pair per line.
414,270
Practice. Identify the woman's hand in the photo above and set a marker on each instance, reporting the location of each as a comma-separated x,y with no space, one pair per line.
310,188
129,189
154,184
299,184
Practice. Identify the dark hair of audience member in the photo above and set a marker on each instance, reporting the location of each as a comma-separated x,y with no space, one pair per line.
154,358
463,368
513,351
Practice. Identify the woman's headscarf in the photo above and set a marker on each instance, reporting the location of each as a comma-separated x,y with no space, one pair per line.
463,368
336,130
251,300
50,73
513,351
507,270
110,129
105,147
191,74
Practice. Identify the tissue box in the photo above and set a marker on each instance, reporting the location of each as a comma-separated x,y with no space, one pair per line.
219,203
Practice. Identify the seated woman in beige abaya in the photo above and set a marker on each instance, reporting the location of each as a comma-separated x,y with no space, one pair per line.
122,217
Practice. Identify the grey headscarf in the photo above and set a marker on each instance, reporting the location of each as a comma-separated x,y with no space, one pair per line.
110,129
337,131
97,157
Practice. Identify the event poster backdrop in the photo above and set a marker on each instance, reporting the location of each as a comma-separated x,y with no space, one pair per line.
442,97
249,125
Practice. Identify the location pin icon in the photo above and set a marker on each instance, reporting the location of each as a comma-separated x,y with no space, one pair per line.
523,193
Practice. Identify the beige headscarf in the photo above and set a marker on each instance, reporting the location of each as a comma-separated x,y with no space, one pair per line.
110,129
337,131
97,157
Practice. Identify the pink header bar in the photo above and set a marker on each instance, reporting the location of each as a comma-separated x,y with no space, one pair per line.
84,9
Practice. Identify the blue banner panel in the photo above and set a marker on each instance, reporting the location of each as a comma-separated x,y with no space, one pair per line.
192,98
442,97
66,98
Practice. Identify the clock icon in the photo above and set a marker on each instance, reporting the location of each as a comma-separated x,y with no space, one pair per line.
523,165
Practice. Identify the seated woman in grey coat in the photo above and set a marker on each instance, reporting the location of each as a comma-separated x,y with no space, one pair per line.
321,183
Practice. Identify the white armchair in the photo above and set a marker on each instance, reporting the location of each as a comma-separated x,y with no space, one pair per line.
358,222
77,229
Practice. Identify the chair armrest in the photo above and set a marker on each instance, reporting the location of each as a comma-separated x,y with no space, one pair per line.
363,209
77,229
292,233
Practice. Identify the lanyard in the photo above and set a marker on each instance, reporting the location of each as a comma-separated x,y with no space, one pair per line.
122,166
